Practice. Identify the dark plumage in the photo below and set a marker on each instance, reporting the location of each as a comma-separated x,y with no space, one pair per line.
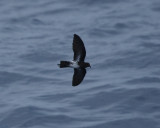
78,49
79,74
78,61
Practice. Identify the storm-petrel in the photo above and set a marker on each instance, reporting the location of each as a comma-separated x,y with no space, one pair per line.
78,61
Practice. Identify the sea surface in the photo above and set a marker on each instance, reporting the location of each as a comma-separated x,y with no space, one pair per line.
122,40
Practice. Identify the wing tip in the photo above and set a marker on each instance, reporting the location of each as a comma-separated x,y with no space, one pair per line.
78,38
74,85
75,35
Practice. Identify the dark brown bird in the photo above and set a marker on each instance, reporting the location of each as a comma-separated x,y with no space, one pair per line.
78,61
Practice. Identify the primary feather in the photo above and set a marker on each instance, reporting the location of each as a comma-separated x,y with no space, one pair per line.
78,49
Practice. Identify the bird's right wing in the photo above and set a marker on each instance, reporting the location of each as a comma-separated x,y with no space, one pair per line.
78,76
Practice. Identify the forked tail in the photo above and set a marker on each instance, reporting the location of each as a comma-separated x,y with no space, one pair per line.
64,64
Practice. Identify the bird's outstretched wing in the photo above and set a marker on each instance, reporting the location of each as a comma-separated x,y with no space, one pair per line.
78,76
78,49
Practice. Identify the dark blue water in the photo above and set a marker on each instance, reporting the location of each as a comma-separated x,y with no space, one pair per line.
122,39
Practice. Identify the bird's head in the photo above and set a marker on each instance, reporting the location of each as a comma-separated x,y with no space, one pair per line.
88,65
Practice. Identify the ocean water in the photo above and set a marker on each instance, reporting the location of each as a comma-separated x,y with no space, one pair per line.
122,39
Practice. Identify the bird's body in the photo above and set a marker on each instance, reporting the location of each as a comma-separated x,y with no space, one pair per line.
73,64
78,61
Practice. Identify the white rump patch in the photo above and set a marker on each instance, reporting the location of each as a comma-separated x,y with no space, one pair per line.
74,64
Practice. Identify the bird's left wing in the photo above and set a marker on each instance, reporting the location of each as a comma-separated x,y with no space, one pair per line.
78,49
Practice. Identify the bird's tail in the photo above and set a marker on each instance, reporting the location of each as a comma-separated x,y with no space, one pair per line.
64,64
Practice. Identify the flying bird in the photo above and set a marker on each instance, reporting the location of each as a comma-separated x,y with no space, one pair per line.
78,62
